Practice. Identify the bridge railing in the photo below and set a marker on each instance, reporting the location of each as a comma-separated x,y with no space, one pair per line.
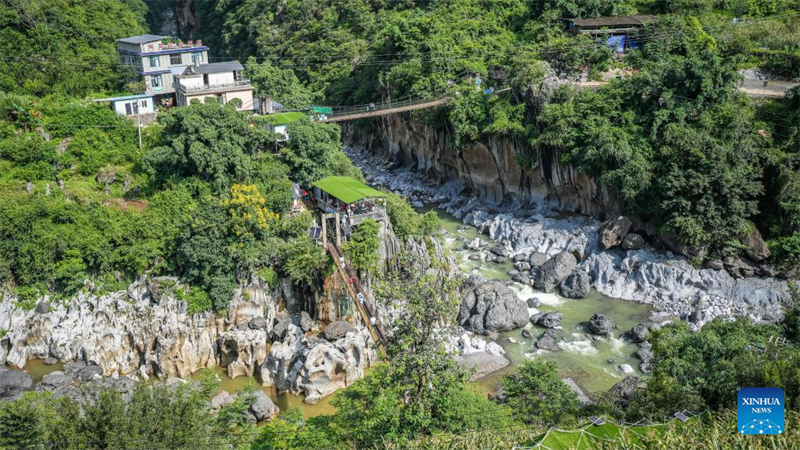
373,107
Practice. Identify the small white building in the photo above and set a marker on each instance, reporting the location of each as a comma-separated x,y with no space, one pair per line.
130,105
222,81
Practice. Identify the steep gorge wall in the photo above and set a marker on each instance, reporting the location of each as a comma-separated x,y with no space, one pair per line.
488,170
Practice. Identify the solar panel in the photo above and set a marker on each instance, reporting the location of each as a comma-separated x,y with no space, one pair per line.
681,416
596,420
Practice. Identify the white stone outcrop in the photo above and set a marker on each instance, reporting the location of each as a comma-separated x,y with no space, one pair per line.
314,367
139,331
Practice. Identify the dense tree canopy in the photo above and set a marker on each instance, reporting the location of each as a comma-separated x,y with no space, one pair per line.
65,46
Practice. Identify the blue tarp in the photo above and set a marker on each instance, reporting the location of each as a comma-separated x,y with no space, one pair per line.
617,42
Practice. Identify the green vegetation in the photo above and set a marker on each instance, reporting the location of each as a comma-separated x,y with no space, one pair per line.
537,393
65,47
206,199
362,248
696,371
160,417
674,140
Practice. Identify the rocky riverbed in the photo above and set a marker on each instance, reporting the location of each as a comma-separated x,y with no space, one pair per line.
145,332
572,251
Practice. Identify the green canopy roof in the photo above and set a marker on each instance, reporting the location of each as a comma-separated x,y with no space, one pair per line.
283,118
347,189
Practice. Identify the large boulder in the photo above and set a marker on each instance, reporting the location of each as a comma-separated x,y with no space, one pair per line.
337,330
632,241
473,244
314,367
638,334
601,325
645,353
754,245
614,231
555,270
671,240
262,409
547,320
577,285
242,351
583,398
624,392
548,341
490,306
480,364
537,259
13,383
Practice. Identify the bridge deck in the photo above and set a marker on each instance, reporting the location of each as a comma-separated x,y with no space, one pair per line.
390,109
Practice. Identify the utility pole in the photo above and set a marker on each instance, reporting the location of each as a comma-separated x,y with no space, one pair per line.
138,123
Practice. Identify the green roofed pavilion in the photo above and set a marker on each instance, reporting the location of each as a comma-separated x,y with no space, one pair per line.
347,189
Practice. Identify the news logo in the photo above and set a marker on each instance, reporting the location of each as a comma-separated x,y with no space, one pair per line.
760,411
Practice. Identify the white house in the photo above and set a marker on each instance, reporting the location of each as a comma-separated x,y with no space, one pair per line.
131,104
222,81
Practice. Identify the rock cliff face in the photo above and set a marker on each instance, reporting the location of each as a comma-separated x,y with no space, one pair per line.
488,171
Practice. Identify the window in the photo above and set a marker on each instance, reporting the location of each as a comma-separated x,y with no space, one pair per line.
128,109
155,61
221,99
155,81
175,59
197,57
144,103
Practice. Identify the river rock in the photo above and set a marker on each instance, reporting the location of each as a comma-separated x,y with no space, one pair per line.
754,245
490,305
534,302
624,391
626,369
480,364
613,231
473,244
337,330
221,400
639,333
262,408
500,250
522,266
13,383
537,259
674,243
601,325
526,334
556,270
257,323
632,241
583,398
548,319
645,354
474,257
242,351
548,341
314,367
577,285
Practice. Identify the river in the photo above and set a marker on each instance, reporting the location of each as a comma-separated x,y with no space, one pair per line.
592,363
